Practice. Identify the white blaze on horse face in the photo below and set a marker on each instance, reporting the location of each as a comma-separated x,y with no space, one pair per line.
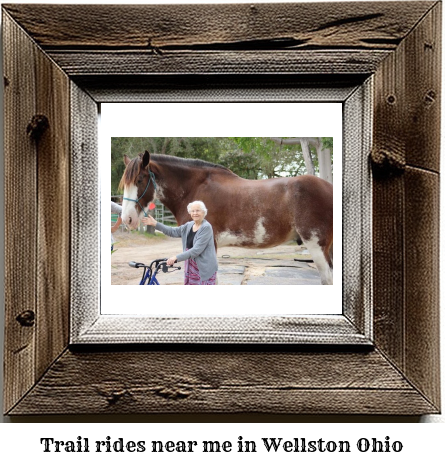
129,214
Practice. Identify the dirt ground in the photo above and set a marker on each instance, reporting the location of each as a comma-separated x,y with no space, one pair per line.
237,266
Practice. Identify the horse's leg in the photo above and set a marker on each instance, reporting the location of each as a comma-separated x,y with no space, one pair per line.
321,255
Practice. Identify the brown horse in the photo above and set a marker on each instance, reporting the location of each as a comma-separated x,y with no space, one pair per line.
246,213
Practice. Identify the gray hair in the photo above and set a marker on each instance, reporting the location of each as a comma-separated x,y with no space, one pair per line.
201,205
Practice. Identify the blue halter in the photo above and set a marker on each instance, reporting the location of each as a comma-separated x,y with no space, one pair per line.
151,179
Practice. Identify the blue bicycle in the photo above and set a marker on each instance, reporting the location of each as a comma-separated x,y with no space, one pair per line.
150,271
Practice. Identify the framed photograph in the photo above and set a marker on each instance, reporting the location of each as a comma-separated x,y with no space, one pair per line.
256,238
366,343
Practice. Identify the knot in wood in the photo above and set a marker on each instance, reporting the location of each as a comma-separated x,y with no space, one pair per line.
114,397
430,97
37,126
386,162
26,318
173,393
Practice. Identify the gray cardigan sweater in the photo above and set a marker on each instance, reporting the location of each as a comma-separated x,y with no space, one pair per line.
115,208
203,250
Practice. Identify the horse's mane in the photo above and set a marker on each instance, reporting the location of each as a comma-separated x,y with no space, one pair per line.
131,172
134,167
186,162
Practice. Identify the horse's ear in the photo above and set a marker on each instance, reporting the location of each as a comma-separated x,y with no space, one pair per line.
145,159
126,160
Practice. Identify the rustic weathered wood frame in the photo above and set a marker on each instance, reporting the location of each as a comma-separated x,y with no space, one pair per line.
69,60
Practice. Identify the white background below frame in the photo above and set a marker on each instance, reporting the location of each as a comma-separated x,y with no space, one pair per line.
218,120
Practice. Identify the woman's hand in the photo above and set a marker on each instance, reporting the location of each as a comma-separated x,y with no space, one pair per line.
149,221
171,261
116,225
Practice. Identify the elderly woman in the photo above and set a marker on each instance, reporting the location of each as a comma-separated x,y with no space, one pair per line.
198,245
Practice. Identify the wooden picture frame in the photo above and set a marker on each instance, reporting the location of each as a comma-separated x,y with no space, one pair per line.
77,56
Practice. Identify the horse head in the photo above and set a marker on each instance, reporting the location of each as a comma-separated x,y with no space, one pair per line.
139,185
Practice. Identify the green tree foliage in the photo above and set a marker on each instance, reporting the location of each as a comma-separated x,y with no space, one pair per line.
274,160
248,157
328,143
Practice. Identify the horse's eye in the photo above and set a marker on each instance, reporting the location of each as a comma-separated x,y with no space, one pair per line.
139,180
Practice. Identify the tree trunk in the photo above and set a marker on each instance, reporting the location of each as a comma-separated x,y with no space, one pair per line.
323,155
307,156
324,163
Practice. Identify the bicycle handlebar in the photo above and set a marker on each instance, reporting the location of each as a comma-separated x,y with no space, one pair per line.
136,265
158,263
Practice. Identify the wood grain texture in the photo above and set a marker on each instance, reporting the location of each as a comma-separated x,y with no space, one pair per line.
423,92
225,39
53,222
123,63
21,213
373,25
388,202
219,381
37,232
407,113
398,42
388,268
406,205
389,142
422,255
